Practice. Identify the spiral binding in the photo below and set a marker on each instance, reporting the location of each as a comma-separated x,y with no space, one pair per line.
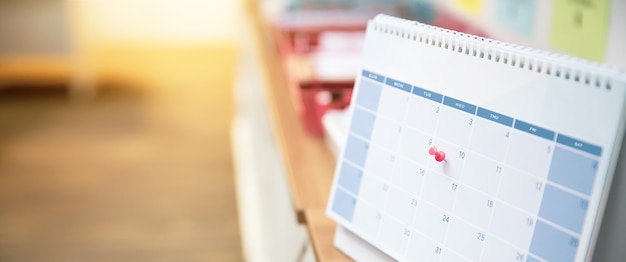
539,61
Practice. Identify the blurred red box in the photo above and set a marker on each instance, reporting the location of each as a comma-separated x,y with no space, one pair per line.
320,53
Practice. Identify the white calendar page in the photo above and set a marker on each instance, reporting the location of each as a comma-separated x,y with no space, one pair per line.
529,154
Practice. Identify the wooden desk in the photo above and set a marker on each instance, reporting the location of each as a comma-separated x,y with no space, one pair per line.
309,164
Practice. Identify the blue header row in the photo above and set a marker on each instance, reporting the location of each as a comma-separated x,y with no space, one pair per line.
460,105
486,114
533,129
373,76
495,117
574,143
428,94
399,85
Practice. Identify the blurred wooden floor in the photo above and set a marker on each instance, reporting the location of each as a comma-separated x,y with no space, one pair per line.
142,173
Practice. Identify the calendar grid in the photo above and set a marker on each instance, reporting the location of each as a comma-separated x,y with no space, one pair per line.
567,189
442,244
385,202
456,193
544,181
557,226
459,181
421,200
388,183
397,127
417,197
498,188
459,218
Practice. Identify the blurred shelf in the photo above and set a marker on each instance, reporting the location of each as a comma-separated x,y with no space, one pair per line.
35,69
308,162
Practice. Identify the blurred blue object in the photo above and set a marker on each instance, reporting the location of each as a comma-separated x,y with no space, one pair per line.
349,4
422,11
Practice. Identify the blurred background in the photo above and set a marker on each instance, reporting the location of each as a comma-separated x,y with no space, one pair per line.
114,122
139,130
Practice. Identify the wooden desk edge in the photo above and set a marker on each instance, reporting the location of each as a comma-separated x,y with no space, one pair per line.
322,233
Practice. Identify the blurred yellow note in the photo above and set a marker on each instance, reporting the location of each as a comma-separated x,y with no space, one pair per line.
579,27
472,6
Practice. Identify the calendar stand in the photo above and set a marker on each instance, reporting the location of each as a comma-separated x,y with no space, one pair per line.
357,248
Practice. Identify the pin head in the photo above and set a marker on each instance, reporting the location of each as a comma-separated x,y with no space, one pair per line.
440,156
432,151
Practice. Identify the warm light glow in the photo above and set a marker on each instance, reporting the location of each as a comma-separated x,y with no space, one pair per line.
162,21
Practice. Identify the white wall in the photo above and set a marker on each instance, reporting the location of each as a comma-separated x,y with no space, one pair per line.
33,27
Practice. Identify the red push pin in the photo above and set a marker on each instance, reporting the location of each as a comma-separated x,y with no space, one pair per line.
440,156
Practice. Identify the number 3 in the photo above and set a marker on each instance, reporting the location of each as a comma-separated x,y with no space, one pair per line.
471,121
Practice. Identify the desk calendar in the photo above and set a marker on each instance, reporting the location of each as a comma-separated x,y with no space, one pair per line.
467,149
